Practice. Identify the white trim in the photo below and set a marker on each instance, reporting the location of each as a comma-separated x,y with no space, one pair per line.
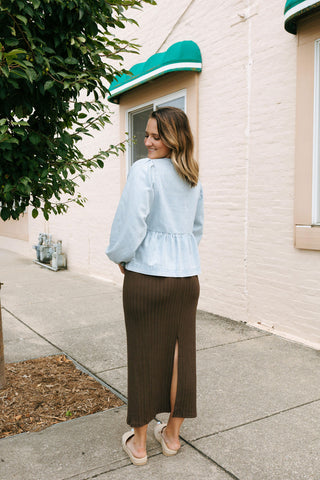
155,73
316,138
297,8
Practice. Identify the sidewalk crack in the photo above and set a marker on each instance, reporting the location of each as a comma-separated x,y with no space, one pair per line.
210,459
257,420
236,341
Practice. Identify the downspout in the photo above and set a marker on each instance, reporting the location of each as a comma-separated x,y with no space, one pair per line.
248,19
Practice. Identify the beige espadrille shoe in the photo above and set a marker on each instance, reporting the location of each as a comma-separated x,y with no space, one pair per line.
158,433
135,460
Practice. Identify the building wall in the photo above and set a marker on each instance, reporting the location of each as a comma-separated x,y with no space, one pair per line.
251,271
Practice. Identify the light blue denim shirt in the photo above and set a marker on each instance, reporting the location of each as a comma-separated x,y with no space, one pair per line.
158,223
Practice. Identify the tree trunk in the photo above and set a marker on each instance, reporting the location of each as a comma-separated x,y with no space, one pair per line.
2,375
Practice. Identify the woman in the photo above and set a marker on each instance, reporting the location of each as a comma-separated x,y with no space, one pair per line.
154,239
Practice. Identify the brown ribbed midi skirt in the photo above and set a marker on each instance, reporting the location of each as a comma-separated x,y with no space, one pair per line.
158,312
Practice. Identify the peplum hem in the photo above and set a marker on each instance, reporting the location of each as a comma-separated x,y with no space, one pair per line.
167,254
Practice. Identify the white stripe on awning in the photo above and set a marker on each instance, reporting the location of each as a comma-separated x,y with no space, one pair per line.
156,73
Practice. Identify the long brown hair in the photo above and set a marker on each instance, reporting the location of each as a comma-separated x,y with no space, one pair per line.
175,132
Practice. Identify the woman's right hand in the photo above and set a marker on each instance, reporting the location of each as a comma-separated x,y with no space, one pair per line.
122,269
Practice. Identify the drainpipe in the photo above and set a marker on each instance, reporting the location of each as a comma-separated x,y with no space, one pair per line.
2,375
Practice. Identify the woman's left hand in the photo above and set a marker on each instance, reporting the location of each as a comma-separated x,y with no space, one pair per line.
122,269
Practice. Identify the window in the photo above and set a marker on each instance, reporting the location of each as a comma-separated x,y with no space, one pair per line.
179,89
307,158
137,119
316,139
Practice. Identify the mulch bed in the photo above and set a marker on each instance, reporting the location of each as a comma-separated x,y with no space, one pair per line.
44,391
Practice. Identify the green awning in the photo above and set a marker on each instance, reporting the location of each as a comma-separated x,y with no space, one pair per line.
296,9
180,56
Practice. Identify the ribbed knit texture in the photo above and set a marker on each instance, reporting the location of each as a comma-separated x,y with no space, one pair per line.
158,311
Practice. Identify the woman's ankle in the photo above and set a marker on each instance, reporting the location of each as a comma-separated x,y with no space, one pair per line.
173,426
137,446
171,438
139,439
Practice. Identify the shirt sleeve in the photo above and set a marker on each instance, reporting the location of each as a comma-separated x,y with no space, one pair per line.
199,218
129,225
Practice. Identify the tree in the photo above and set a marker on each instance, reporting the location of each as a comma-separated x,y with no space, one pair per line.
57,59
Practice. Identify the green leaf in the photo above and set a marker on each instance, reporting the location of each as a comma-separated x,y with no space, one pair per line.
66,138
16,51
19,111
71,61
28,9
25,180
49,49
22,19
20,74
5,213
35,213
34,138
5,70
49,84
31,74
13,140
36,3
13,83
12,42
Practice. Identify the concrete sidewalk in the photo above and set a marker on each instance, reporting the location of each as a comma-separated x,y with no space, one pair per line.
258,395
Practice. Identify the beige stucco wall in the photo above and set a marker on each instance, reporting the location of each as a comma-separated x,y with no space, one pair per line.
17,229
250,269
